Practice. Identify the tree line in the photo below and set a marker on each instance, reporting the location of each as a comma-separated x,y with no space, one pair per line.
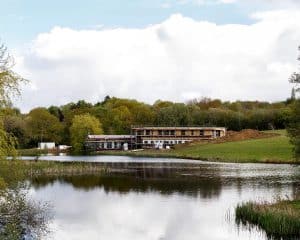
63,124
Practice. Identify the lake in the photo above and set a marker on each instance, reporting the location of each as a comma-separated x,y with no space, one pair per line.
160,198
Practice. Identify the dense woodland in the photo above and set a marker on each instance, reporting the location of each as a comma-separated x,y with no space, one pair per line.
116,116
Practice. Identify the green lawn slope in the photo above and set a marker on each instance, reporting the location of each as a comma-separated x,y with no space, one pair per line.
273,149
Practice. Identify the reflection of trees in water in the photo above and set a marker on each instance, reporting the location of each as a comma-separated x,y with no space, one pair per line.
204,181
165,181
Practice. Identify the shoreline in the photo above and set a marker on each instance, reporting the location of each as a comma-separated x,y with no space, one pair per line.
205,159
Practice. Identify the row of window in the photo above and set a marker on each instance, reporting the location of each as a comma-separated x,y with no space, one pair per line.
170,132
164,142
109,145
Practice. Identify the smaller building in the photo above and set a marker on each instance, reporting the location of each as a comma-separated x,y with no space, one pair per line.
46,145
109,142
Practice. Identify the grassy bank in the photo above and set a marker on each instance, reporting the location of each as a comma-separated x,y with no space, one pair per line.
280,220
275,149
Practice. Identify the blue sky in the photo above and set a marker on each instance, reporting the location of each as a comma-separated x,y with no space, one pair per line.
22,20
176,50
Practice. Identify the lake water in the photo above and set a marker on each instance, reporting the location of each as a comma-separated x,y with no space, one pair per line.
160,199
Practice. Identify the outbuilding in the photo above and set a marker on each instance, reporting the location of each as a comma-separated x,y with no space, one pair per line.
46,145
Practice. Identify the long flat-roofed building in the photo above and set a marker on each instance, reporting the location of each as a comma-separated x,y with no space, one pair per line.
109,142
153,137
169,136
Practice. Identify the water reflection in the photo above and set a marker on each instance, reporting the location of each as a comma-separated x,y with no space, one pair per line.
161,201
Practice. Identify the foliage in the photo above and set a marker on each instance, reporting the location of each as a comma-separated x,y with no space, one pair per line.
9,80
294,127
43,126
294,121
82,125
20,218
295,79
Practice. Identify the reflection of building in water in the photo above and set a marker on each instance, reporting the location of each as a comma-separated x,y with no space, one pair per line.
154,137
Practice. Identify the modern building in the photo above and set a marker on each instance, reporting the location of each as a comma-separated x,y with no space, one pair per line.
110,142
161,137
153,137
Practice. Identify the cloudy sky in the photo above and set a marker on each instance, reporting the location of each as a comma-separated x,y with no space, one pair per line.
148,50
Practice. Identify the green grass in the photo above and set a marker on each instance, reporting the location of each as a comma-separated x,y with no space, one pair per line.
276,149
280,220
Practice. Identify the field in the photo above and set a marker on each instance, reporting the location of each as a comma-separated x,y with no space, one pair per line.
274,149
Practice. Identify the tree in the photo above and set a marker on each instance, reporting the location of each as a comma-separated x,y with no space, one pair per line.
295,78
9,86
20,218
83,125
294,127
16,126
294,121
43,126
9,80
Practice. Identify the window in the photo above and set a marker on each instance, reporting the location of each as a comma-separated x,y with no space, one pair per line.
160,132
148,132
201,132
192,133
166,133
140,132
179,142
172,132
109,145
218,133
182,132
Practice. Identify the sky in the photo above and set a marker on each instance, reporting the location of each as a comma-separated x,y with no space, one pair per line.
147,50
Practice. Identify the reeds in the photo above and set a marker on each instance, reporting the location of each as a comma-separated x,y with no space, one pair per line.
280,220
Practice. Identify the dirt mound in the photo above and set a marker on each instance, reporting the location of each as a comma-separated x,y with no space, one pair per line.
245,134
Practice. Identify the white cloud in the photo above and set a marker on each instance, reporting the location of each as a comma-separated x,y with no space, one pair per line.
173,60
